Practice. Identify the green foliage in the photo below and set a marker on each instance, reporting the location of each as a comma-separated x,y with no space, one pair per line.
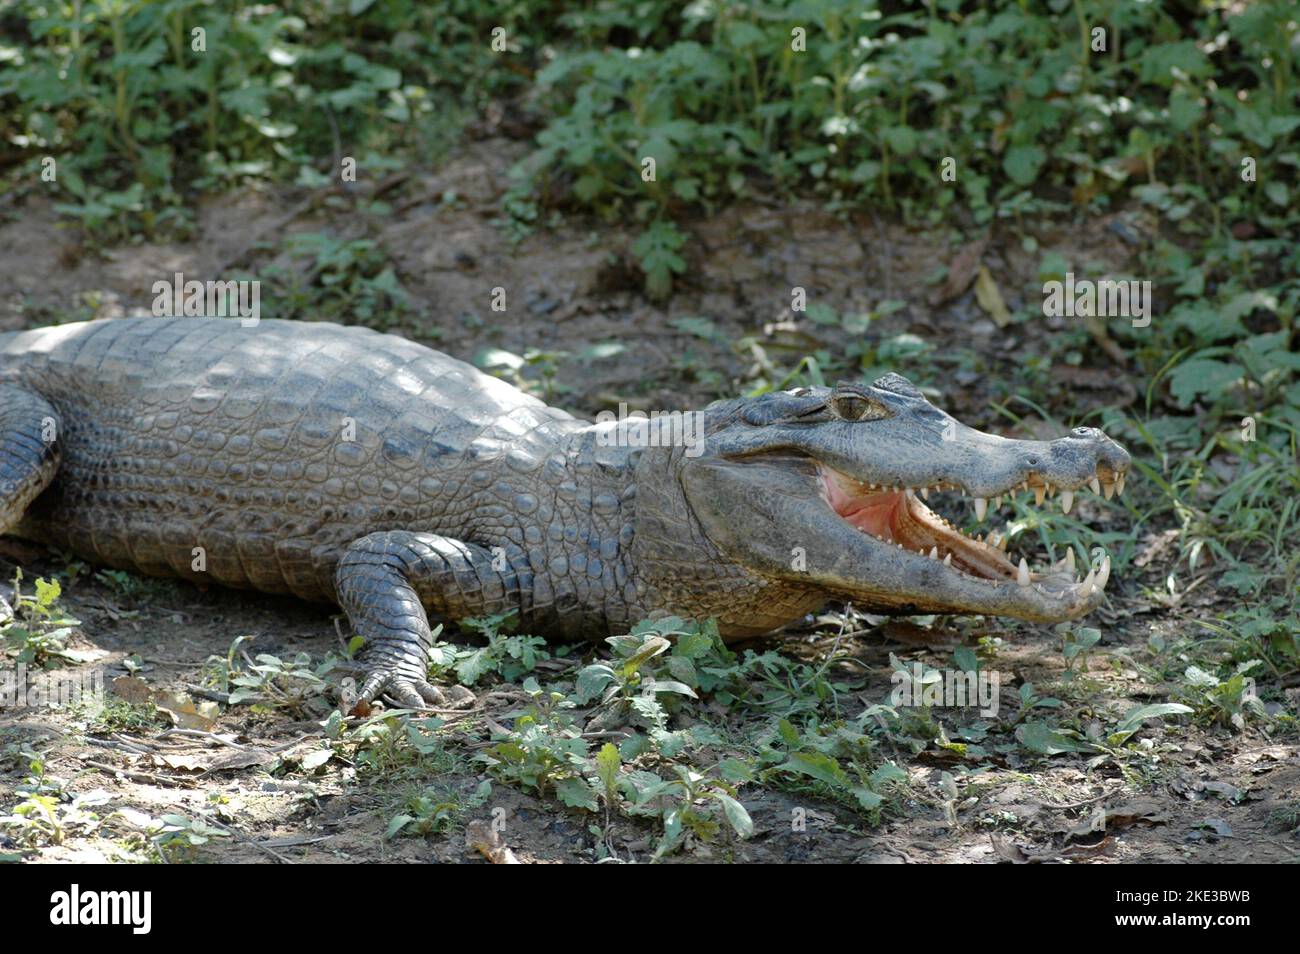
267,682
816,758
505,655
435,810
719,95
38,632
544,752
331,278
138,110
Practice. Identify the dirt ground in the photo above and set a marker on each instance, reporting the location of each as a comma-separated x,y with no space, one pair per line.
1197,793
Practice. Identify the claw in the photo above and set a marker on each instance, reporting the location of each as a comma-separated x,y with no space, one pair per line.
408,692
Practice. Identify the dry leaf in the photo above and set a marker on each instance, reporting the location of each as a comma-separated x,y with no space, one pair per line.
184,712
1009,851
961,272
482,837
1154,544
133,689
235,759
990,299
1137,812
186,763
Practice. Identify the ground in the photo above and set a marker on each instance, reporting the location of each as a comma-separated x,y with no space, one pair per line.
271,778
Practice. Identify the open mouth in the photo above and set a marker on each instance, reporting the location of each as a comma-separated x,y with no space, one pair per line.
898,515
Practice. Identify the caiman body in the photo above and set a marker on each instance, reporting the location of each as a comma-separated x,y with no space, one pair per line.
336,463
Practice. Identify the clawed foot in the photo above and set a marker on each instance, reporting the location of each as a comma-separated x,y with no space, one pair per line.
407,692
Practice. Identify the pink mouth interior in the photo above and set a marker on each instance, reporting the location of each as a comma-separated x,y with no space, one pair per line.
900,517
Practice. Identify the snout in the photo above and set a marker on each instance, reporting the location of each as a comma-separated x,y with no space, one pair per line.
1108,460
1084,457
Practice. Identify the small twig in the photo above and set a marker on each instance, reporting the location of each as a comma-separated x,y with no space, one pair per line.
294,841
260,846
139,776
213,694
208,736
143,747
117,746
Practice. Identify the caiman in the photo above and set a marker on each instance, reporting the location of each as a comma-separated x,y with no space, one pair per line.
340,464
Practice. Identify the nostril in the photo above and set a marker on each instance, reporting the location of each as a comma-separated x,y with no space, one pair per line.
1031,461
1085,432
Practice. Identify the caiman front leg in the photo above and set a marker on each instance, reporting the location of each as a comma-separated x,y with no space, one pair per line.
389,582
29,456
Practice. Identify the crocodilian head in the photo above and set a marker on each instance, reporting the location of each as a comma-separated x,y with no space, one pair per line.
826,487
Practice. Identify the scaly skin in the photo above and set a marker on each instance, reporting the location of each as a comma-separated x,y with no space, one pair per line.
335,463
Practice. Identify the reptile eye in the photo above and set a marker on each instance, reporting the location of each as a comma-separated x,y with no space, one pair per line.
855,407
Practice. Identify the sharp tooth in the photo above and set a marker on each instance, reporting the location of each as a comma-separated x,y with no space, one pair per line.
981,508
997,502
1069,561
1119,484
1022,575
1103,575
1095,484
934,553
925,493
947,561
1067,500
1085,587
1109,489
1002,543
1039,494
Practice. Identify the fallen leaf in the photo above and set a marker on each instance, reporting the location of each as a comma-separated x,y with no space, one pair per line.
184,712
133,689
1102,820
186,763
236,759
990,299
1217,826
961,272
483,838
1154,544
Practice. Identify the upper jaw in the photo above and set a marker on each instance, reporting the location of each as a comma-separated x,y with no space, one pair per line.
988,482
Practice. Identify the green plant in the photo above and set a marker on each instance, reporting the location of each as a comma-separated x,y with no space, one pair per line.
435,810
687,806
269,682
507,655
38,632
